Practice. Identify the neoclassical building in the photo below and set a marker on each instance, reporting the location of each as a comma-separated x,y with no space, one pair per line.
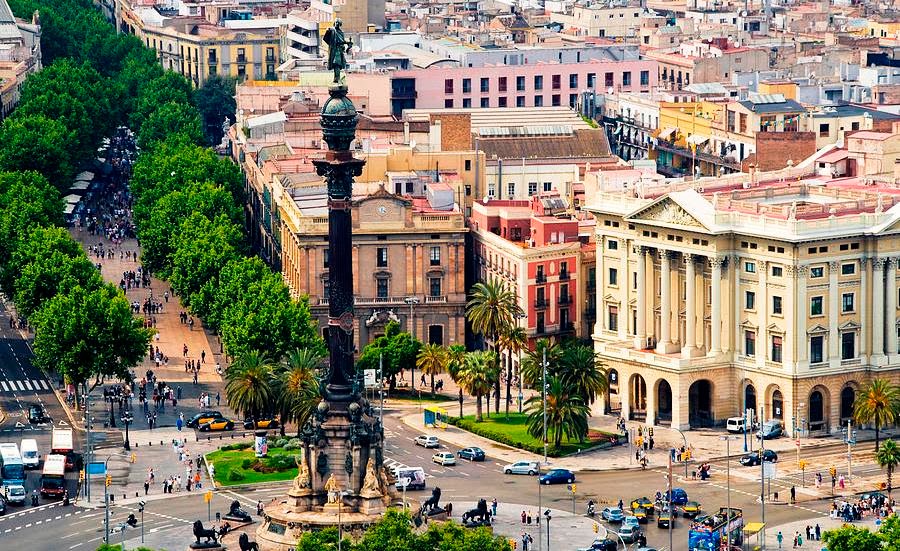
780,296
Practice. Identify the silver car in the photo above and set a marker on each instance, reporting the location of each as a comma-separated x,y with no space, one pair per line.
427,441
523,467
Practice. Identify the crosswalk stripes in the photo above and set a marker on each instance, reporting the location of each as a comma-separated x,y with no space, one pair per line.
24,385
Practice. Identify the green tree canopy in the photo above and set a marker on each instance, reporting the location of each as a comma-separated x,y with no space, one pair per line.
56,273
202,246
169,86
169,119
27,200
85,335
398,348
851,538
38,143
566,413
877,403
215,101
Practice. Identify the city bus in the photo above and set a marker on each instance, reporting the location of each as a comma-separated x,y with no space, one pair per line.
716,531
12,469
53,479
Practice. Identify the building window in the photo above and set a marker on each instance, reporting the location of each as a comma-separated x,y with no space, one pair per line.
848,269
511,190
548,186
573,80
591,79
824,129
520,101
749,343
556,82
485,103
608,79
501,84
816,349
645,78
532,188
776,305
382,287
848,345
467,103
626,78
847,303
750,267
777,271
492,192
448,86
448,104
613,321
776,349
613,276
612,245
538,82
538,101
434,286
815,306
485,84
750,300
520,84
816,272
382,257
325,258
468,165
501,101
573,100
435,256
467,86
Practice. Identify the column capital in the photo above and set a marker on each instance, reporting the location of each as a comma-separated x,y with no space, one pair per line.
689,258
640,250
890,262
878,263
718,261
762,266
833,267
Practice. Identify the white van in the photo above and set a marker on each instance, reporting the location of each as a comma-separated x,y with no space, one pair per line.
30,456
413,476
15,493
735,424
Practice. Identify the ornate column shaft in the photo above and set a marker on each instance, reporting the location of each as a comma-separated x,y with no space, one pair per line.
715,346
890,308
877,309
624,286
834,312
762,313
640,339
665,303
801,311
690,299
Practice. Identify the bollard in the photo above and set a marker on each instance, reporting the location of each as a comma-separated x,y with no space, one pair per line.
136,494
150,443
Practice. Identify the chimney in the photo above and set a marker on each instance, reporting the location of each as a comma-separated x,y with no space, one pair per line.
406,132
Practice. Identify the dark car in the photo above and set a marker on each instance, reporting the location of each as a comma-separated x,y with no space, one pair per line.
679,496
472,454
558,476
750,459
604,545
2,506
37,414
262,423
203,417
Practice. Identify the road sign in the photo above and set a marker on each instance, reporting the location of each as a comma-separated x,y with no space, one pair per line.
369,378
405,481
797,442
768,470
96,467
207,497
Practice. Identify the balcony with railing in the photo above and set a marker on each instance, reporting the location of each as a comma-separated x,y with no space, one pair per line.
435,300
540,278
564,276
564,299
701,155
540,303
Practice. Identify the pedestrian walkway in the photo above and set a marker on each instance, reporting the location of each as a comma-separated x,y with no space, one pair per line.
17,385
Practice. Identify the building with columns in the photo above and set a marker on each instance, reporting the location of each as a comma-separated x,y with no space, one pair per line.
776,293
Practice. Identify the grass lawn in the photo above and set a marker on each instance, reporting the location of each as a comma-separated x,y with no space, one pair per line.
513,431
226,460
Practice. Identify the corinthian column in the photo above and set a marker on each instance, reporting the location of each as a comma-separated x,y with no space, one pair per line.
715,346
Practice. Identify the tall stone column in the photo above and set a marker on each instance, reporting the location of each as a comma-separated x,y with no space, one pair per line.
640,339
877,310
715,345
801,311
599,304
834,312
624,286
762,309
665,303
339,167
890,310
690,298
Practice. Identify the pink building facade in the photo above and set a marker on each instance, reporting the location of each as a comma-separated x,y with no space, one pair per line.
540,85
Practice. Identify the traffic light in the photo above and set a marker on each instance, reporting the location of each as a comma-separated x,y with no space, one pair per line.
650,431
573,488
81,475
833,472
596,528
108,480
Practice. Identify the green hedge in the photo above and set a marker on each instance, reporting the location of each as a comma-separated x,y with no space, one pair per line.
487,431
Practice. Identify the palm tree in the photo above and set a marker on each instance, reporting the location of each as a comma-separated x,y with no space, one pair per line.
248,387
477,375
566,413
512,340
531,371
878,403
582,371
432,360
456,356
297,387
492,310
888,456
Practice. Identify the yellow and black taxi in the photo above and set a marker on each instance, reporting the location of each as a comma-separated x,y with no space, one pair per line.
665,518
691,509
202,418
217,424
261,423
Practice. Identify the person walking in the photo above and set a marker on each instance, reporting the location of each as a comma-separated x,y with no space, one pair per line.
793,494
779,538
146,487
494,507
218,398
203,356
818,532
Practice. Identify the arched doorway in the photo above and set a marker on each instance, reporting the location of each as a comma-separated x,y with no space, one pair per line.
777,406
848,396
817,419
638,398
663,402
749,398
614,401
700,412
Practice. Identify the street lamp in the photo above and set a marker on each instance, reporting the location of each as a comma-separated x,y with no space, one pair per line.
728,440
544,399
548,517
341,495
128,418
141,511
520,316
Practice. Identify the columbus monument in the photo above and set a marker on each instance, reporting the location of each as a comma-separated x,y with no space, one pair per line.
341,474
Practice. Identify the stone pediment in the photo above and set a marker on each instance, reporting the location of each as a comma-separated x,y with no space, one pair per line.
817,330
667,212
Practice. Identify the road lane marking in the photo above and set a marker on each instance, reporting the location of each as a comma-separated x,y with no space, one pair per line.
5,388
22,388
28,385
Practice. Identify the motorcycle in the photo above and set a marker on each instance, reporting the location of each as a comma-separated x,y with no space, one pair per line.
591,511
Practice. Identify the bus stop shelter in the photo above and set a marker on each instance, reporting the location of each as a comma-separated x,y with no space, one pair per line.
435,417
754,532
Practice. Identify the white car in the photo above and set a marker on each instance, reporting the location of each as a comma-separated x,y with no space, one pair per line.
444,458
15,493
523,467
427,441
